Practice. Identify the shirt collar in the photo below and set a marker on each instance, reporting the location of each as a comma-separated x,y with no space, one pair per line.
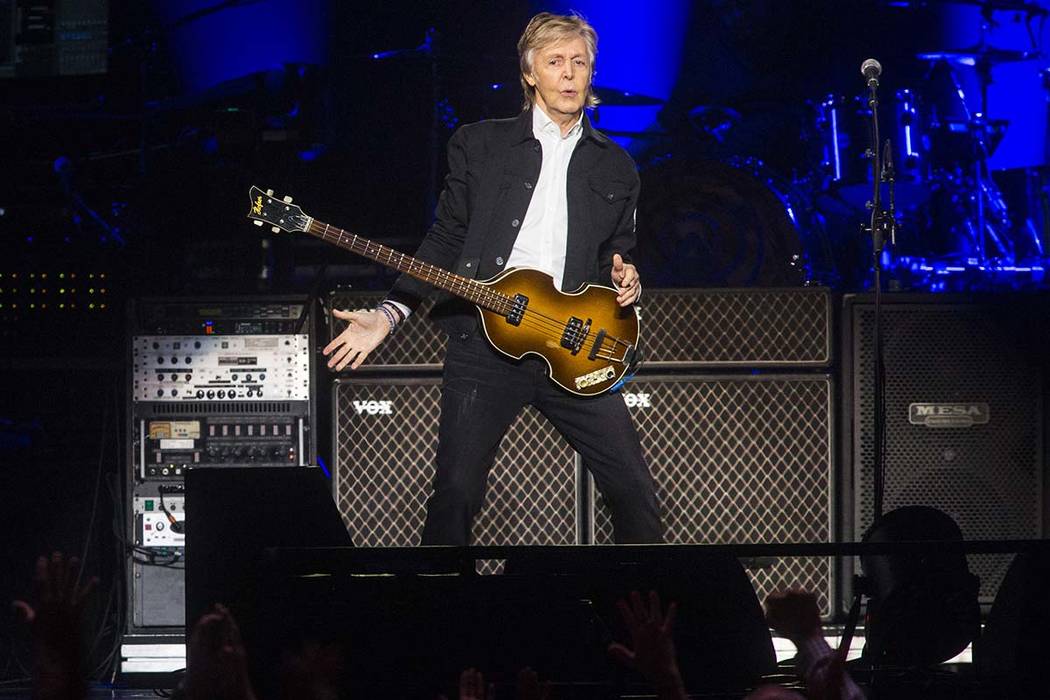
541,123
523,129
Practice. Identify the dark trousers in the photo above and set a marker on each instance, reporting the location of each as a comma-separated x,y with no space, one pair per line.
481,395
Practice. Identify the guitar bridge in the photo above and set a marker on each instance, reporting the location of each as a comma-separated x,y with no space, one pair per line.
574,333
517,309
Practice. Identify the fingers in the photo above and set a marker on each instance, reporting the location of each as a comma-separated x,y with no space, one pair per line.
361,356
622,655
341,338
25,610
40,579
342,357
617,262
54,584
640,611
625,614
72,579
629,284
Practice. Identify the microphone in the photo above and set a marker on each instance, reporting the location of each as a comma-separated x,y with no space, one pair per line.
871,69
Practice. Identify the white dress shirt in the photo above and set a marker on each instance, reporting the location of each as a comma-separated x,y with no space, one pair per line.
544,231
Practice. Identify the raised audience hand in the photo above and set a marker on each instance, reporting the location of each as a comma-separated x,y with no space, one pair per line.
794,614
472,686
217,663
312,673
652,653
529,687
55,620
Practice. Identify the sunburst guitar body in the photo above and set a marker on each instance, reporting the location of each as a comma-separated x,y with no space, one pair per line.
589,341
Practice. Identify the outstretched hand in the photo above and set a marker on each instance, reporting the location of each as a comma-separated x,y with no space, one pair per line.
652,653
364,332
628,283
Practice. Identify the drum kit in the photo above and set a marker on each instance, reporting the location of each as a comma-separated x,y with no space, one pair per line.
721,208
956,230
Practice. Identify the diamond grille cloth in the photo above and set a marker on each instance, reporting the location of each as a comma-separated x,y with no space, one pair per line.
740,460
685,328
988,477
385,442
738,327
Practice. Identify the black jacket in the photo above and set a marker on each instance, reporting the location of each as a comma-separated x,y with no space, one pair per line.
493,166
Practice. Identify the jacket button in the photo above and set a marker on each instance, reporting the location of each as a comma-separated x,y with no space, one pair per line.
499,261
464,336
515,223
536,147
528,185
470,264
610,196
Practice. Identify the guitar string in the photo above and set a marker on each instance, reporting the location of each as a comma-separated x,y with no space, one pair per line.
478,292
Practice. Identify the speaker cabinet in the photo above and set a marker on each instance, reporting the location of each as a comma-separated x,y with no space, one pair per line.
385,441
681,329
740,459
964,393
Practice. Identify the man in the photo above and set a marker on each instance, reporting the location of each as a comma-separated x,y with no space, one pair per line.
543,190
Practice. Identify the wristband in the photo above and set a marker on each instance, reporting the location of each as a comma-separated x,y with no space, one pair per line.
389,318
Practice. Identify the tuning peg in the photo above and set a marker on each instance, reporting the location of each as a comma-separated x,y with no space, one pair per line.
275,229
269,193
257,222
287,200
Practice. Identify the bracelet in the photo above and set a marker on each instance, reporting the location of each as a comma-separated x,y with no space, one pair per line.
389,318
394,308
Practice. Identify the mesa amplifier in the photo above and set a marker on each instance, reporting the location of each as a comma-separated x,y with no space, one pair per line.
385,439
737,460
681,329
964,400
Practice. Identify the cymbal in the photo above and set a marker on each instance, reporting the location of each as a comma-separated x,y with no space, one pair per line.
973,55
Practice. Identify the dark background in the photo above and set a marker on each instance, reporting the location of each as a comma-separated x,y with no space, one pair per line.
135,181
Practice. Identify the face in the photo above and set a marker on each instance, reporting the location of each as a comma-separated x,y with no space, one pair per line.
561,74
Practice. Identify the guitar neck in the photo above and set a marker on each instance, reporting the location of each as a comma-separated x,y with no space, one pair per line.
468,289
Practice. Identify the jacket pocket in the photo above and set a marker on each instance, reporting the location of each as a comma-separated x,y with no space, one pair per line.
610,191
607,205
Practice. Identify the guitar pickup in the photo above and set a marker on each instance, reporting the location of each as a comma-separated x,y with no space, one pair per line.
517,309
574,333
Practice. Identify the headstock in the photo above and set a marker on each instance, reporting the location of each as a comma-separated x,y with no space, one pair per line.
281,214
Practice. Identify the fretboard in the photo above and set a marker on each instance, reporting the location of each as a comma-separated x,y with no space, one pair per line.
469,289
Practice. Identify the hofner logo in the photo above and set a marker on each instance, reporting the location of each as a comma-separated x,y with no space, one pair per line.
374,408
948,415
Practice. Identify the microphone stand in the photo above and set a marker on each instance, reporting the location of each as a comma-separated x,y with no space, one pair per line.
882,224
